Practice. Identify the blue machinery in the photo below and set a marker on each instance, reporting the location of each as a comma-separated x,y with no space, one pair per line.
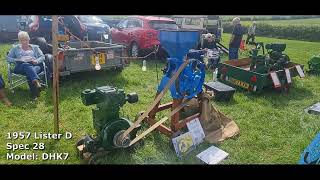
190,81
183,76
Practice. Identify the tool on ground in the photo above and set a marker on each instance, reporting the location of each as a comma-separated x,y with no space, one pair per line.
314,109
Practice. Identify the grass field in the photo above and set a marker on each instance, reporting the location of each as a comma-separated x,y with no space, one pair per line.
306,22
274,129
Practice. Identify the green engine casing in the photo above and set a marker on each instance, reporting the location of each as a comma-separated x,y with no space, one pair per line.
106,119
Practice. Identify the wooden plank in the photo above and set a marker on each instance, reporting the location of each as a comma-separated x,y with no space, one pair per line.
288,75
300,71
55,74
275,79
164,106
178,108
157,124
157,100
167,131
183,122
239,62
162,128
174,114
148,130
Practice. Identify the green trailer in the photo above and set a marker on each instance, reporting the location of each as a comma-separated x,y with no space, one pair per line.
237,73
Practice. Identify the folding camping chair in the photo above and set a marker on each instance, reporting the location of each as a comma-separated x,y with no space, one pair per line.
16,80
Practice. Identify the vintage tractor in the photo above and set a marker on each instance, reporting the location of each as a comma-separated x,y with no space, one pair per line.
106,119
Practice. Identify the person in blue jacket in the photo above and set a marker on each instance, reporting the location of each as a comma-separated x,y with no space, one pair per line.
27,58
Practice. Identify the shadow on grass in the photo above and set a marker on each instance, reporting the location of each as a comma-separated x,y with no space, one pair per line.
280,99
72,86
21,98
232,101
117,156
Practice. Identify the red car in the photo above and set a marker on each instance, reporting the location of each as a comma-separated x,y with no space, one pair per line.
140,33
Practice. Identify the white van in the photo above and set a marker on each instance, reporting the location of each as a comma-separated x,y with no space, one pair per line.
203,23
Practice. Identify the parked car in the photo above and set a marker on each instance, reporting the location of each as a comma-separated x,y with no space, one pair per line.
111,21
140,33
205,24
90,28
41,26
40,29
97,30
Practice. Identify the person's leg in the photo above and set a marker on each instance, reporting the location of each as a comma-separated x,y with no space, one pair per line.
232,54
38,68
30,72
236,53
34,91
253,38
3,96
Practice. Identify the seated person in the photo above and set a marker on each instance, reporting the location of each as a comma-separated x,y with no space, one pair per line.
209,42
27,58
3,97
212,55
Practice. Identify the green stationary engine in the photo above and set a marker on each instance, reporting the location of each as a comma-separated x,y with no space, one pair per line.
106,118
274,61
